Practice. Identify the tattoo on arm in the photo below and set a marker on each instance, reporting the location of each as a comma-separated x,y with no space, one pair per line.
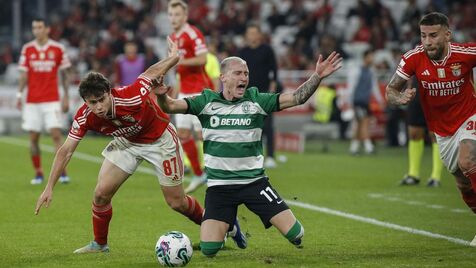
305,91
394,87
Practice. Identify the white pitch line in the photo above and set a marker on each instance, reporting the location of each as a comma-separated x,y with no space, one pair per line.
77,155
325,210
390,198
377,222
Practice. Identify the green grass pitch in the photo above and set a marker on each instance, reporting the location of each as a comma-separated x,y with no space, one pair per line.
353,212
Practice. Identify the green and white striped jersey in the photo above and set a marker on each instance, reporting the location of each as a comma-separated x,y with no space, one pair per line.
233,151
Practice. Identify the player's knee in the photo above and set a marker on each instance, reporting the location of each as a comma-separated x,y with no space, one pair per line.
466,164
210,249
101,197
296,232
177,204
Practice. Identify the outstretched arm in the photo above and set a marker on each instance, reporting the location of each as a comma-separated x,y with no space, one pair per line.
63,155
305,90
394,93
166,103
160,68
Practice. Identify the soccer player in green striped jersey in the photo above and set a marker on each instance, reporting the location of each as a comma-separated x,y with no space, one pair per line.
232,122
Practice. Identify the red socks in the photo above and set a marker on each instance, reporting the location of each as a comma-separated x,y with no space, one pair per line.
36,160
101,217
190,148
194,211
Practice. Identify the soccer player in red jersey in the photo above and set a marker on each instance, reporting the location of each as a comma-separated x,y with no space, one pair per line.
141,132
193,79
445,76
40,62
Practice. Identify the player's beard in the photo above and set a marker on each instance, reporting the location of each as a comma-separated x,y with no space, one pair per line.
437,54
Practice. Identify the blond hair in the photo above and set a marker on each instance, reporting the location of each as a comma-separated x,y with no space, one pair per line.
176,3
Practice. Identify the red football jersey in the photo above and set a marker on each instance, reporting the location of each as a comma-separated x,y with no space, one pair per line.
446,91
190,41
135,115
42,64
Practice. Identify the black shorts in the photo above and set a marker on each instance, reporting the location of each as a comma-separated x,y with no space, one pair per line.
221,202
415,115
361,110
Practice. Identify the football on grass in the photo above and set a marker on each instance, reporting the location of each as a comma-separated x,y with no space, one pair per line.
174,249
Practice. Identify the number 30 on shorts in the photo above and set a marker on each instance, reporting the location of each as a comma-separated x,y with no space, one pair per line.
471,125
170,166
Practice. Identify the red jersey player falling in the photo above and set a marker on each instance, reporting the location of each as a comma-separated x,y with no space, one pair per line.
40,62
193,79
444,73
141,132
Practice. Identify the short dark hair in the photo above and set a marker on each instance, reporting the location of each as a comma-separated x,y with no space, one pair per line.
368,51
435,18
253,25
41,19
94,85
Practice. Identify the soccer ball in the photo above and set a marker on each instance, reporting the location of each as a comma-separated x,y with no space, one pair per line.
174,249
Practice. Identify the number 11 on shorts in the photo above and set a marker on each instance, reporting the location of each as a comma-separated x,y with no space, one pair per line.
265,194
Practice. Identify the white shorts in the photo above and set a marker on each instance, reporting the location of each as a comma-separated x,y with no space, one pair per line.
188,121
37,115
449,146
165,155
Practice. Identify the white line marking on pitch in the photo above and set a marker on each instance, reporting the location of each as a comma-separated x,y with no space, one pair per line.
377,222
390,198
325,210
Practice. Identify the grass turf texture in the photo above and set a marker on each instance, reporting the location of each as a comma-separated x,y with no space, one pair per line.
364,186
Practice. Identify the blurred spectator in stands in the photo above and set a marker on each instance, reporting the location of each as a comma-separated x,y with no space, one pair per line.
6,57
264,75
275,19
363,83
150,56
129,65
212,67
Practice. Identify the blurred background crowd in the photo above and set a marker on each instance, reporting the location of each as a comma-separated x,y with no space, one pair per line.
95,31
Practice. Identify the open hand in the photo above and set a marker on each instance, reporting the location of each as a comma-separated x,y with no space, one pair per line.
328,66
173,48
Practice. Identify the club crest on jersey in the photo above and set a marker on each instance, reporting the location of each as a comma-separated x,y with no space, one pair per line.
51,55
116,122
456,69
246,108
441,73
128,118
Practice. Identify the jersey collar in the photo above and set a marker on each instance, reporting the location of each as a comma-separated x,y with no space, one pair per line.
445,59
113,106
43,47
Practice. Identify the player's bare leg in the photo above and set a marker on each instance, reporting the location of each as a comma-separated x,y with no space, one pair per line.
437,163
182,203
110,179
467,192
57,138
35,154
212,235
365,135
289,226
